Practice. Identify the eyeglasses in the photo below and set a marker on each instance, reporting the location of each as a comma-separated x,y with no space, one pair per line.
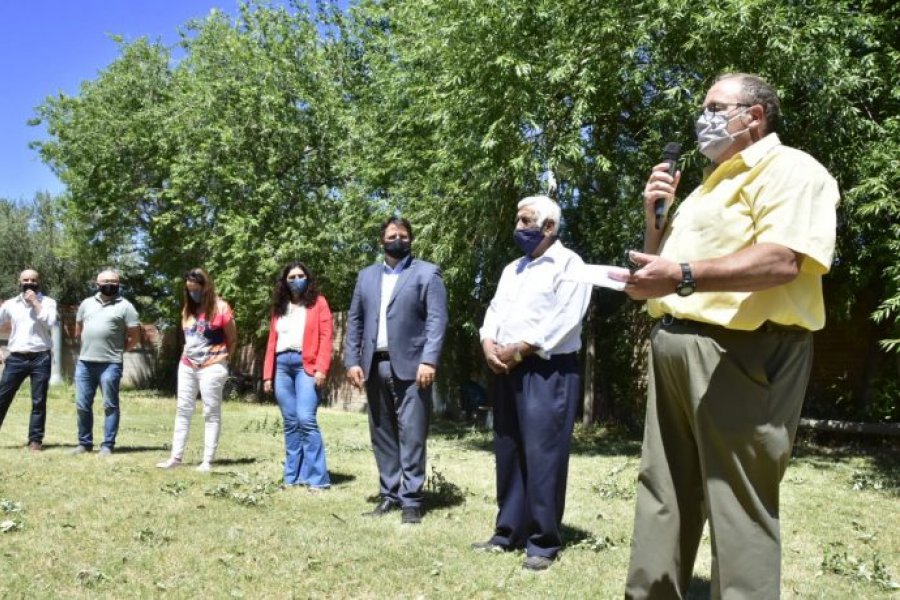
714,108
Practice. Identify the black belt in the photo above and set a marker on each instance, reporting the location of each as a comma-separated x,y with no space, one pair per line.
381,356
767,327
29,355
287,351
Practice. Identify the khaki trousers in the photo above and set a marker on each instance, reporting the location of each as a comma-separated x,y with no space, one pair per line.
722,411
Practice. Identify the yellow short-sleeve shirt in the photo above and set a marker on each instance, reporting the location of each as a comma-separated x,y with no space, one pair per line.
768,193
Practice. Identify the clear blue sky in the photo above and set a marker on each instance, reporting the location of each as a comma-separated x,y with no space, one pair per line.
51,46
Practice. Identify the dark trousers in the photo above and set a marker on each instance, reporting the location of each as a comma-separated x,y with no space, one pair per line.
18,367
534,413
399,413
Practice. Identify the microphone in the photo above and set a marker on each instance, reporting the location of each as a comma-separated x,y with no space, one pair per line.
670,156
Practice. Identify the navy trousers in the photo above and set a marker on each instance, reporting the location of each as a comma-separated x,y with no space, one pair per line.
19,366
534,413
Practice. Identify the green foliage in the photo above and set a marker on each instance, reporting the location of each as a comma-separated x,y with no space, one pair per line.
224,160
290,132
838,560
34,235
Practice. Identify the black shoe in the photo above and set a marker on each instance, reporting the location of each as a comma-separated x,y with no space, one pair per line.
489,546
384,507
537,563
411,515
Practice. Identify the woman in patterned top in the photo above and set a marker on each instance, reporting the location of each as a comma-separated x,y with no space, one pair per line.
209,335
298,356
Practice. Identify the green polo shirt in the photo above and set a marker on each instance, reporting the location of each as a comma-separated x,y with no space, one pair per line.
104,328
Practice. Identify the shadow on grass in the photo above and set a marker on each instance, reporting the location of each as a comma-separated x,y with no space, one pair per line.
573,535
700,589
338,478
438,493
824,451
244,460
131,449
586,441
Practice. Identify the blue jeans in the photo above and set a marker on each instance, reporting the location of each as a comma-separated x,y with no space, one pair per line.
296,394
18,367
88,375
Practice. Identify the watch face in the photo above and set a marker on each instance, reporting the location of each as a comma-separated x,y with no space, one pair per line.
685,288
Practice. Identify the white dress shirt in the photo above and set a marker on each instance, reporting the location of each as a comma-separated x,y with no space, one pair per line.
30,328
388,282
534,305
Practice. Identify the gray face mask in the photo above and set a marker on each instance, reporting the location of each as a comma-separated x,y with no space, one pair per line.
712,133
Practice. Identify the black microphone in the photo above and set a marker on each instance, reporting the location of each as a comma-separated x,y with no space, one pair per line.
670,156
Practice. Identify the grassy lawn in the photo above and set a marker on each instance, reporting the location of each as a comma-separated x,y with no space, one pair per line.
119,528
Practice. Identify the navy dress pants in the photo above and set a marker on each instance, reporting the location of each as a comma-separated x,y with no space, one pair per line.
534,413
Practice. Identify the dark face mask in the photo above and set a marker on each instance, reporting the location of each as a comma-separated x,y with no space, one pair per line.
397,248
109,289
29,286
528,239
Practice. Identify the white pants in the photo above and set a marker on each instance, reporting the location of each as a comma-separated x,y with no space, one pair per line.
209,381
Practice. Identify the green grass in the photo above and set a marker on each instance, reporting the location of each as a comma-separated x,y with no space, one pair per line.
76,527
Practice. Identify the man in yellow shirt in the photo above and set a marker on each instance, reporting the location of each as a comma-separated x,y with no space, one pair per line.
736,281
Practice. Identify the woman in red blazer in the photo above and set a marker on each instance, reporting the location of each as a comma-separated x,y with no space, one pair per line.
298,356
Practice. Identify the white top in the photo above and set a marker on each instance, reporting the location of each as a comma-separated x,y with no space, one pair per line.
536,303
389,279
30,328
289,328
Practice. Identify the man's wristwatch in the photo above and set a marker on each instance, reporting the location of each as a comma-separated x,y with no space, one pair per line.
687,285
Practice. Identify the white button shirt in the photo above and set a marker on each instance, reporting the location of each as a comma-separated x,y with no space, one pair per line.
389,278
534,305
30,328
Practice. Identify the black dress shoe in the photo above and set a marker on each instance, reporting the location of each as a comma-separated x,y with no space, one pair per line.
411,515
384,507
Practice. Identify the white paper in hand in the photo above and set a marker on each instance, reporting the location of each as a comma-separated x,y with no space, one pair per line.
598,275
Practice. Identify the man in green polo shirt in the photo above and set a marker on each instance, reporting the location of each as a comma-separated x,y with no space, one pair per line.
108,326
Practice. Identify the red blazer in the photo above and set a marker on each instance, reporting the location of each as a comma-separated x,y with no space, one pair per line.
317,341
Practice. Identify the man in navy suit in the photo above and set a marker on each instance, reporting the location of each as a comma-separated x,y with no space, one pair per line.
395,330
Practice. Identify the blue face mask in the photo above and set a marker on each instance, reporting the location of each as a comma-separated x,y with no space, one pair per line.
528,239
298,286
196,295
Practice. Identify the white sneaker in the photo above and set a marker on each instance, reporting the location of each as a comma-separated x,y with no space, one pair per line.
204,467
169,463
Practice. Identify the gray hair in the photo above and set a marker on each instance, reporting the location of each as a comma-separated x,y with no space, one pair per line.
544,208
111,271
757,90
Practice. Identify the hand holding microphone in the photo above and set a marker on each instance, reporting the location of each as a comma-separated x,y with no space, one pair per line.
659,193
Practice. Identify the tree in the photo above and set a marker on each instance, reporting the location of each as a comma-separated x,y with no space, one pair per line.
33,236
290,132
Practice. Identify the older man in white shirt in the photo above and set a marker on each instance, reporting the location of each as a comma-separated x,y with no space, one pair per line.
531,337
32,315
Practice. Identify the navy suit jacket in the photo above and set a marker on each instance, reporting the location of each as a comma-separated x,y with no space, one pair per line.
416,318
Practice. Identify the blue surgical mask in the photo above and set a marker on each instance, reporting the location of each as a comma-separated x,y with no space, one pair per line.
528,239
713,136
196,295
298,286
